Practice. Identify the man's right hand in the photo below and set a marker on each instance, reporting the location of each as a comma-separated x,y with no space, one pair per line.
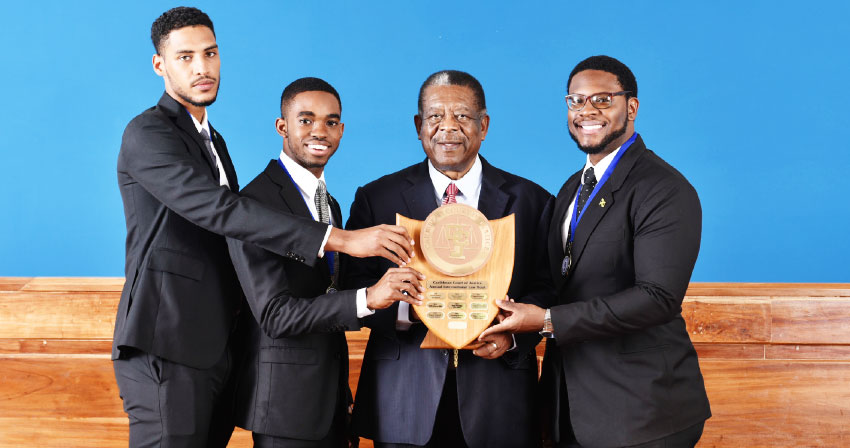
392,287
390,242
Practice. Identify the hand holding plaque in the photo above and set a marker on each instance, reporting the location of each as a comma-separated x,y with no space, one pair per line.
468,262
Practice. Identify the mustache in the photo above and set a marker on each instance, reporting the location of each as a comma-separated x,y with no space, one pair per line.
201,79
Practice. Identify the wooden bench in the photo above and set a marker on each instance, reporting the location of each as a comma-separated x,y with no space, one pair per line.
776,361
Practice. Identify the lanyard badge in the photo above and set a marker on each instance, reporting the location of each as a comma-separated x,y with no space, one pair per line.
567,262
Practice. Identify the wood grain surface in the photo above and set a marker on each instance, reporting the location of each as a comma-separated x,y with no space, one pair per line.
775,358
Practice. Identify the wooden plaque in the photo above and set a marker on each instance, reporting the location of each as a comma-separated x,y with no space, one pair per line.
468,262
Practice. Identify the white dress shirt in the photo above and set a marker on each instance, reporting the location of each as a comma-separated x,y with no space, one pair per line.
598,170
307,184
205,125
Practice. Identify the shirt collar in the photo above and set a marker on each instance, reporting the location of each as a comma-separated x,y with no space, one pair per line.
303,178
203,124
469,185
600,168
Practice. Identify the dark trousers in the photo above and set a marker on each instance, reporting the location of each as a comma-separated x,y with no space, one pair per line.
173,405
447,430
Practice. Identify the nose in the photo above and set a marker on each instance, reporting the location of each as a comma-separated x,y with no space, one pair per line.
449,123
588,109
319,129
200,65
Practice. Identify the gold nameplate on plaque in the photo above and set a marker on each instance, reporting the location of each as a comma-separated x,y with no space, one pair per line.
468,262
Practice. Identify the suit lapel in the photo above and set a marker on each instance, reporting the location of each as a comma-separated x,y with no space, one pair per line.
492,202
226,162
289,192
605,198
336,213
419,196
556,243
183,121
291,197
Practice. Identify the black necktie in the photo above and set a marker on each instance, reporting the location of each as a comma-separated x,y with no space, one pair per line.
586,189
208,143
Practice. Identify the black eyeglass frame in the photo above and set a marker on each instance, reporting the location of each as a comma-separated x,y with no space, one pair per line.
610,94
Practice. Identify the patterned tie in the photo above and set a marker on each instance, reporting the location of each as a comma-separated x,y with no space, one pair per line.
208,143
450,196
322,207
586,189
324,211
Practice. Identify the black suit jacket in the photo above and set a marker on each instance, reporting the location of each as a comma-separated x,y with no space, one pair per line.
296,373
181,294
630,369
400,384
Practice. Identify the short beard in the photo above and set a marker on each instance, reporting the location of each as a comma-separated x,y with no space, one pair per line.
596,149
197,103
194,102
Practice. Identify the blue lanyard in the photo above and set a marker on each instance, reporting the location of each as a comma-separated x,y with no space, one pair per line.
577,216
328,255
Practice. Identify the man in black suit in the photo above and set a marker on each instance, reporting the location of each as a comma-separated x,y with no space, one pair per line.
181,294
292,391
619,369
408,396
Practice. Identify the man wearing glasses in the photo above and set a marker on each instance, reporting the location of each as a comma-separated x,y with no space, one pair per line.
619,369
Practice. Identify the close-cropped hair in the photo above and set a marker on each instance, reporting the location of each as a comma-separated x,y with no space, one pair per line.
455,78
608,64
308,84
174,19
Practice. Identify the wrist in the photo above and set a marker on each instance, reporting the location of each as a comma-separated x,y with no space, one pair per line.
336,240
369,304
547,331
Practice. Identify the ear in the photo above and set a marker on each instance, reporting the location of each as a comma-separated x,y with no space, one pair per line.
485,125
280,127
417,121
158,65
633,108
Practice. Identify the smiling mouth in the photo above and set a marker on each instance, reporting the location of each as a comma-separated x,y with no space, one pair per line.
590,128
318,149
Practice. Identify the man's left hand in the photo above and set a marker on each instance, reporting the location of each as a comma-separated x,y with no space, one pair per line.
518,318
494,346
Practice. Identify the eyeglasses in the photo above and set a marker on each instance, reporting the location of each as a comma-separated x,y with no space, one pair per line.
601,100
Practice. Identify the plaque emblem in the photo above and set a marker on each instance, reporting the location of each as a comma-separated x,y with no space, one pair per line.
457,240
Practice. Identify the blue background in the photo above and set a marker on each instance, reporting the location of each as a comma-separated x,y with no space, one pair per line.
749,100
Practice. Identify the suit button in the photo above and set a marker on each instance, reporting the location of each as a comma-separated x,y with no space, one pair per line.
444,352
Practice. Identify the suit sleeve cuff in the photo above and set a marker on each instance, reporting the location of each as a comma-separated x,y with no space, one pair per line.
402,322
322,249
513,342
362,309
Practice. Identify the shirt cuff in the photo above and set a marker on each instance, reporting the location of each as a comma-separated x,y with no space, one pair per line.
362,309
513,339
402,322
322,248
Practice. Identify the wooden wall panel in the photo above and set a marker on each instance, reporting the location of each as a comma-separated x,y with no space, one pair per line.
777,403
775,357
743,319
807,320
60,387
57,315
